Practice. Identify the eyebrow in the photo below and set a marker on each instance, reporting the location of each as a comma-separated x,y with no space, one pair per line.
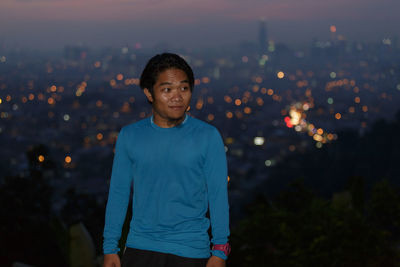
168,83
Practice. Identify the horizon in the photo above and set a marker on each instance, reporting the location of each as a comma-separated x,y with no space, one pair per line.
44,24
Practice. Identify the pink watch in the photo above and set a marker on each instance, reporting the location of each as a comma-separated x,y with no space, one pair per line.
226,248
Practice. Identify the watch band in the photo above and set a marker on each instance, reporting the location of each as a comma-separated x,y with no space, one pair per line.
226,248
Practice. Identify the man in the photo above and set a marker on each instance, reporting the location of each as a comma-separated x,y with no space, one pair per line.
177,166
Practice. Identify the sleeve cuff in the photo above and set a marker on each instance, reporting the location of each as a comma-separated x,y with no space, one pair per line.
111,251
219,254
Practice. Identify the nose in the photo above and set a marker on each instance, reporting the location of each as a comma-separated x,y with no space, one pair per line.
177,95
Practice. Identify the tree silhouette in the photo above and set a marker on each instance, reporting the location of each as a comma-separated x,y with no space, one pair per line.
25,229
300,229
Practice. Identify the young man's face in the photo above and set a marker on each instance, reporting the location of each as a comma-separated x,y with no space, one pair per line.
170,98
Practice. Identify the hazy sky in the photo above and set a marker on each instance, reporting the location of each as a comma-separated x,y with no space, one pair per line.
54,23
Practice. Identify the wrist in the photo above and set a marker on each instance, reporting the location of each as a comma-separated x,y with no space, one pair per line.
111,251
219,254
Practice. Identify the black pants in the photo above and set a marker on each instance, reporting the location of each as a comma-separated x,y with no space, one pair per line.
133,257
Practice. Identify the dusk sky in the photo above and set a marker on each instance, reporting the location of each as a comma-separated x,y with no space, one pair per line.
182,23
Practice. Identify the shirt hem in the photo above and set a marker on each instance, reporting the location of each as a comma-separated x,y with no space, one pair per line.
144,243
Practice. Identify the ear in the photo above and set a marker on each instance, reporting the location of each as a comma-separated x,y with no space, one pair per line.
148,95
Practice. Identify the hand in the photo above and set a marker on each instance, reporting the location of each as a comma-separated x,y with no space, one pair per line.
215,261
111,260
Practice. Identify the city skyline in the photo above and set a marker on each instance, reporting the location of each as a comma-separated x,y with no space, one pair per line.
316,126
53,24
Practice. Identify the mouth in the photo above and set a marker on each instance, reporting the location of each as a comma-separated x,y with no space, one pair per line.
176,107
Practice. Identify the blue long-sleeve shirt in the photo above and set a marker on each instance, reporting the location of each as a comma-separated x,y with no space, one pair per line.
177,174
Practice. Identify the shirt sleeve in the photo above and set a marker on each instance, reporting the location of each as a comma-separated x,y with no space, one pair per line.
217,187
118,196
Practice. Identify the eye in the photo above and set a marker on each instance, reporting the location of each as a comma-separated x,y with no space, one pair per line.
166,90
185,88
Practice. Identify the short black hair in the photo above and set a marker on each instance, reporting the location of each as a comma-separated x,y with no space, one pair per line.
160,63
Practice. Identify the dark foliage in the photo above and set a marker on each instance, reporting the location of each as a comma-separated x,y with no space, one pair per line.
26,227
301,229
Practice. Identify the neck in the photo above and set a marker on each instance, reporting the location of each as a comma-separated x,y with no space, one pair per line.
167,122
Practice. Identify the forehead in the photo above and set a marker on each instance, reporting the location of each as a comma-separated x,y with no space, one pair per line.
171,75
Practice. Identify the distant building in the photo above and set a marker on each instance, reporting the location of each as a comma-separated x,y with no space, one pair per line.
262,37
75,53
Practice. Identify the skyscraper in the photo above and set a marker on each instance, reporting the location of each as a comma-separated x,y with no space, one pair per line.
262,37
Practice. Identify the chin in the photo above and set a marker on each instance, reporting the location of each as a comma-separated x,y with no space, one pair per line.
177,116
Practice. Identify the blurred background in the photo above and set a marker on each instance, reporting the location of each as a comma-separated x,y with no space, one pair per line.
305,94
